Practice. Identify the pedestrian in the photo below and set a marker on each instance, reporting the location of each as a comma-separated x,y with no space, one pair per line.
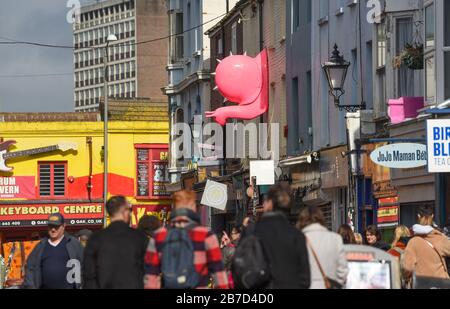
283,247
114,257
55,263
426,251
149,225
359,239
347,234
248,226
83,236
373,238
228,246
401,238
327,259
184,255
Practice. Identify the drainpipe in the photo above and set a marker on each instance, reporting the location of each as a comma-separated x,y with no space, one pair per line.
261,36
261,24
223,170
89,185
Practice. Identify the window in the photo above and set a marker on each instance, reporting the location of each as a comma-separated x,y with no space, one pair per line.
324,8
429,26
355,77
234,38
176,41
52,179
430,70
405,77
369,76
381,45
152,171
447,74
446,23
133,89
294,127
220,47
309,115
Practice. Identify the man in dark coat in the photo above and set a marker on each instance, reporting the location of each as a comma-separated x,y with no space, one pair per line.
284,245
114,257
55,263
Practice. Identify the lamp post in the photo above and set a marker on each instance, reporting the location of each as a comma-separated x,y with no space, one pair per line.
336,72
111,38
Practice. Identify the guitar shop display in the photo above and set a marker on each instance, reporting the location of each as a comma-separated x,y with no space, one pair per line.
5,155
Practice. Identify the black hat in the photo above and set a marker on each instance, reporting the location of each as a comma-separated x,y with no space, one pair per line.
55,219
84,232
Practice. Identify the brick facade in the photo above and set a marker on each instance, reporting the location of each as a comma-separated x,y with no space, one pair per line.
151,22
274,31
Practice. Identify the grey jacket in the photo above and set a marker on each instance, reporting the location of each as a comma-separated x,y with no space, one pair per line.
33,275
329,248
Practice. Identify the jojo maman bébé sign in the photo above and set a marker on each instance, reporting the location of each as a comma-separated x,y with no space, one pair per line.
406,155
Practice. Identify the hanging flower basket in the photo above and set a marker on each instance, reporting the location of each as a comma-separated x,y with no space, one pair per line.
411,57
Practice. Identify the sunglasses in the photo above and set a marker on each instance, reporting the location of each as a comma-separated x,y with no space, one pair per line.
54,227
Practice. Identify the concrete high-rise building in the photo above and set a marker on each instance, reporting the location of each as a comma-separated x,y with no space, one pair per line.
136,66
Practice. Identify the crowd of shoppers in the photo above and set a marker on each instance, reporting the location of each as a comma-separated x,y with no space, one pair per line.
268,252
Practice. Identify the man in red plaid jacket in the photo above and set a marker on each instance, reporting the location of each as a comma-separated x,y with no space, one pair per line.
207,253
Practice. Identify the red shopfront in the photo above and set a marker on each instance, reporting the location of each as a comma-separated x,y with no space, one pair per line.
26,221
23,224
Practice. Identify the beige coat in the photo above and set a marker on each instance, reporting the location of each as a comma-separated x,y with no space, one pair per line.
421,258
329,248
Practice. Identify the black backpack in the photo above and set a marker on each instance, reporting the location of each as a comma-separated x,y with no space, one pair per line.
250,266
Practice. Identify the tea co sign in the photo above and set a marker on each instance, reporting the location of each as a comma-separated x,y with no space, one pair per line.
438,137
401,156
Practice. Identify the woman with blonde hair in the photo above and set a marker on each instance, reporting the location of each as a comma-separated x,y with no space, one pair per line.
401,238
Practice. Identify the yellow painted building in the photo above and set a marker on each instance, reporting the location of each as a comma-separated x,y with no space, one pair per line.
57,165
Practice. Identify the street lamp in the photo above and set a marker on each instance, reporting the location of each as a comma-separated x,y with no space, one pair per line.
111,38
336,72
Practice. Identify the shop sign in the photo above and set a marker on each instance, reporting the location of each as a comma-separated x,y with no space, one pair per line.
215,195
37,215
438,137
400,156
264,171
152,173
17,187
388,212
333,168
162,212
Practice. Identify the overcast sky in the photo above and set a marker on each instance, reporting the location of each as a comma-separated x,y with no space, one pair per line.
42,21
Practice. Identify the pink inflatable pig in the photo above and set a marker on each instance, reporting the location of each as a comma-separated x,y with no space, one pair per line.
245,81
